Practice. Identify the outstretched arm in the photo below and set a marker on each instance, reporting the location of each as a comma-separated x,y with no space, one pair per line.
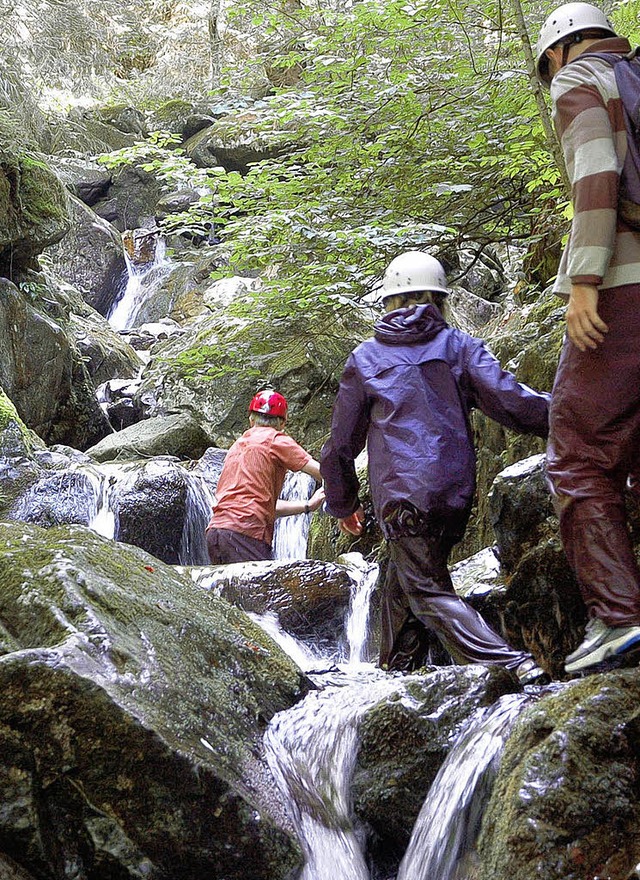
299,505
501,397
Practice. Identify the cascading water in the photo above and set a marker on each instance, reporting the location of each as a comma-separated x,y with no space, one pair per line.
312,751
290,532
143,280
446,829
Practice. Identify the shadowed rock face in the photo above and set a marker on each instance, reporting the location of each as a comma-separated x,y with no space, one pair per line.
565,803
132,706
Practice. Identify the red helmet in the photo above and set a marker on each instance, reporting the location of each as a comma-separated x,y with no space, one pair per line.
269,403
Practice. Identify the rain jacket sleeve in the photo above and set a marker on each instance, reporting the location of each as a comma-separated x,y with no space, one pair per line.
501,397
349,426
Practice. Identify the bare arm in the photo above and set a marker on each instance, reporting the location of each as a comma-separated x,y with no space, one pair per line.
299,505
312,468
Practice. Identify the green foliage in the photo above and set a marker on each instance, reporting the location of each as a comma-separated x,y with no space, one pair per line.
414,126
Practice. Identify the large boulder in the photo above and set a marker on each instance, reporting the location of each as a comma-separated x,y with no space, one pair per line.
132,708
234,142
90,258
43,373
33,211
404,741
565,803
310,598
178,434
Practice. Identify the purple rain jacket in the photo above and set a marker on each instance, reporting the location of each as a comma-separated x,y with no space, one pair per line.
407,394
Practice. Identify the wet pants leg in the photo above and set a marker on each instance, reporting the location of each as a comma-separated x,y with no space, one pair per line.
594,443
418,578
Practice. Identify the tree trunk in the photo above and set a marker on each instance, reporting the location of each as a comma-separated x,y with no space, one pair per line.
534,82
215,42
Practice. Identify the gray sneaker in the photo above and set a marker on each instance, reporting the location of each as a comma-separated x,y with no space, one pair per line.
601,641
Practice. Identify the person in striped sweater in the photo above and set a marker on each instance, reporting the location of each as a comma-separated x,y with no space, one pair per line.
594,439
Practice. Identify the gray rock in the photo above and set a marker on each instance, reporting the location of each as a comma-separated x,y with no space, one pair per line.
33,211
90,258
86,180
42,372
565,802
310,598
132,708
403,744
520,507
178,434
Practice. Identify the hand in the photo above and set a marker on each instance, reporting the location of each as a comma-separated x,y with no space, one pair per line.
316,499
352,525
585,327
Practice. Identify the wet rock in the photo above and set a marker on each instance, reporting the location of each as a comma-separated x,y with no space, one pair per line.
84,179
104,352
162,494
565,802
544,611
521,509
132,708
403,743
90,258
310,598
117,398
131,199
175,202
178,434
42,371
210,466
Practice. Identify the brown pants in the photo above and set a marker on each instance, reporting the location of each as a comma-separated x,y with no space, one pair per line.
418,587
594,445
225,546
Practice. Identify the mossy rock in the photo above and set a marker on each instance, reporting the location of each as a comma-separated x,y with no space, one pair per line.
33,210
132,709
565,803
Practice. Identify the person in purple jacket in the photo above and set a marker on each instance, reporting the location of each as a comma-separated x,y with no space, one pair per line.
407,393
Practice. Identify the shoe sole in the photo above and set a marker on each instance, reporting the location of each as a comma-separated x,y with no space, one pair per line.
605,651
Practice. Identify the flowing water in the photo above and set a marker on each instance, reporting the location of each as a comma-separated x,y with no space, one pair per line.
143,280
312,751
446,829
290,532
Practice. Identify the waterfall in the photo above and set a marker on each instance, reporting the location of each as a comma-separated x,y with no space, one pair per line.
364,576
449,821
311,750
193,543
143,279
290,532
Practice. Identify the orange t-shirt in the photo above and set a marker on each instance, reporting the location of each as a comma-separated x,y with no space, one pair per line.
251,481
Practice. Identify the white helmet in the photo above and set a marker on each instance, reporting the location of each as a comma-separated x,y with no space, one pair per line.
570,18
411,272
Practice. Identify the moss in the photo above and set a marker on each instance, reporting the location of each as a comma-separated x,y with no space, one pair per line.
42,195
10,420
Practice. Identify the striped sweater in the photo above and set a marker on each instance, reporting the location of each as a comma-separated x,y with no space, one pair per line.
589,119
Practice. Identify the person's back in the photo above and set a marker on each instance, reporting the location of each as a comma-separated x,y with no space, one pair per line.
407,394
251,481
421,378
247,499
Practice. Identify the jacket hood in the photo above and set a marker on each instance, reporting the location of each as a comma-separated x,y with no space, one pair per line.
409,325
